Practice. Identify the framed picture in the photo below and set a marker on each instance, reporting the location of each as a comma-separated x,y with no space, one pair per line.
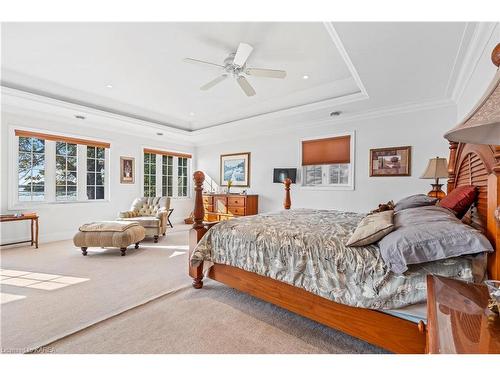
235,167
127,170
391,161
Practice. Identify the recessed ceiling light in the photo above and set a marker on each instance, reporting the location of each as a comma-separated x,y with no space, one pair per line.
305,76
80,117
335,113
159,133
191,113
109,86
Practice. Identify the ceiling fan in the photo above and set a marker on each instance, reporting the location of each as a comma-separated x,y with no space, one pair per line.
235,65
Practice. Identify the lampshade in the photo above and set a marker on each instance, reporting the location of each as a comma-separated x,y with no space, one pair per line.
482,125
437,168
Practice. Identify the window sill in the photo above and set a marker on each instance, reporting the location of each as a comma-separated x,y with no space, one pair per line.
339,188
31,205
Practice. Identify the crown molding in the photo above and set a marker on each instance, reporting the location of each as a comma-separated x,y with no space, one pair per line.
482,33
20,102
213,138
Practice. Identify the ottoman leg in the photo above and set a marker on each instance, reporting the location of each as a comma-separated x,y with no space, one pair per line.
84,251
137,245
123,249
156,239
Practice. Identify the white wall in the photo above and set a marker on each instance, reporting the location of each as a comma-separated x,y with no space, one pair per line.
61,220
482,75
422,130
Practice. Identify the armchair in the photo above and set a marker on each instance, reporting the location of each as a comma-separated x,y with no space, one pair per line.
151,213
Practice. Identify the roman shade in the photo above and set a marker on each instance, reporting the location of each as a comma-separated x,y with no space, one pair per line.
335,150
166,153
60,138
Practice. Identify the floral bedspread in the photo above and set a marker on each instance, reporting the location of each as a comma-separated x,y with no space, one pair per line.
305,248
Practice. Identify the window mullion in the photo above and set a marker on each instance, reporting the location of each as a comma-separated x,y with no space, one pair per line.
159,169
81,173
175,176
50,171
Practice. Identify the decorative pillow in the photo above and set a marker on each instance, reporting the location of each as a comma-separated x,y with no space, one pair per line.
372,228
426,234
383,207
417,200
460,199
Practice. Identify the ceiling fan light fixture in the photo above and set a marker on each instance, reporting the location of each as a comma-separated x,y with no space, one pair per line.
235,67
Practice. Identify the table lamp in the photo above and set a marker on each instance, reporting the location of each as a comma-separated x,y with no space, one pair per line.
436,169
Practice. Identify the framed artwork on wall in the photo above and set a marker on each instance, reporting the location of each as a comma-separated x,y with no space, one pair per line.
390,161
235,168
127,170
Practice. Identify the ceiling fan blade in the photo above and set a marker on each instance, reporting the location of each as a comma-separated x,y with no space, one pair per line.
242,53
245,86
213,82
270,73
195,61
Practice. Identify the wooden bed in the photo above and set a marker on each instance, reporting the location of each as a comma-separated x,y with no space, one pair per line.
477,165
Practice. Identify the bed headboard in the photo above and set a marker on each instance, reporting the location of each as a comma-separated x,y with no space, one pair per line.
479,165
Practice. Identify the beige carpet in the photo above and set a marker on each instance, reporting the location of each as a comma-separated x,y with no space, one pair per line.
110,312
215,319
115,284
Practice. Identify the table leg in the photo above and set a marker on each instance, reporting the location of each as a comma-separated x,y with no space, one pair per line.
36,227
32,225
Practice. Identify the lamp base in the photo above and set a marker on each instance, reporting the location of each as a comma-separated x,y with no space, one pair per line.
436,192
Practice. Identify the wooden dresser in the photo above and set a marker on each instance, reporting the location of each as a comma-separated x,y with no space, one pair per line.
225,206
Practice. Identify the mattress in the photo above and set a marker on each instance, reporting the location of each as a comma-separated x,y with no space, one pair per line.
306,248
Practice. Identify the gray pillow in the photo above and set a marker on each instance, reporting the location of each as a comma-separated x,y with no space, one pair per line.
425,234
417,200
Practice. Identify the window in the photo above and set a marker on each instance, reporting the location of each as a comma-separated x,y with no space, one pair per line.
55,168
327,162
172,173
149,174
182,177
168,176
66,174
95,172
31,169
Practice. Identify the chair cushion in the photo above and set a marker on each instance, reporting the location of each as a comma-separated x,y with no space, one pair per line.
145,221
460,199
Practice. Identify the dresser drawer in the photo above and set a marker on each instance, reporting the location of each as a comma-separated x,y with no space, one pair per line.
208,200
220,204
208,207
237,211
236,201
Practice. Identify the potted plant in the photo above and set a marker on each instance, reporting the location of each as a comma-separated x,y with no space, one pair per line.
229,184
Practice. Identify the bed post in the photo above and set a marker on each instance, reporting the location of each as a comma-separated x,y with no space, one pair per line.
198,229
287,203
451,166
493,222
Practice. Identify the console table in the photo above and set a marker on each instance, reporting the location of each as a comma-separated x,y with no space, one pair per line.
33,217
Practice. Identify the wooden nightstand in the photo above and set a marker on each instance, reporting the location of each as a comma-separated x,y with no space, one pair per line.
458,319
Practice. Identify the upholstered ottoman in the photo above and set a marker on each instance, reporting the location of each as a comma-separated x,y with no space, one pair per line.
109,234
